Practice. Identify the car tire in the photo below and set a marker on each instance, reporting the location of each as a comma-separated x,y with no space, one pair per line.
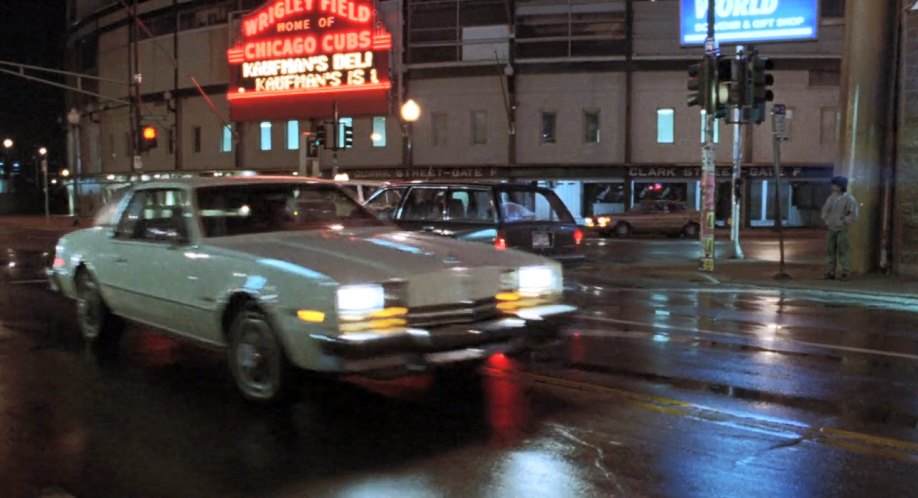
99,328
256,358
622,230
691,230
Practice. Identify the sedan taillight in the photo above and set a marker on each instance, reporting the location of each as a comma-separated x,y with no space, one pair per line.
578,236
500,242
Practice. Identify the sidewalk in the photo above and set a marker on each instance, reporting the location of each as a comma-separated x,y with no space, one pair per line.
755,274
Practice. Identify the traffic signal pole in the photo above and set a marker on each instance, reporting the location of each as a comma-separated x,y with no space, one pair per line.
735,201
708,151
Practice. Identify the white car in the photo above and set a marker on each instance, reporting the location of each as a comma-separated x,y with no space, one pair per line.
286,272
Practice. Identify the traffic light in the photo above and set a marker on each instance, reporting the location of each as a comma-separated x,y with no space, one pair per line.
724,85
321,137
348,136
759,86
147,139
697,76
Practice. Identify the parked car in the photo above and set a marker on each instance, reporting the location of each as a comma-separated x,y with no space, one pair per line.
289,273
669,217
505,215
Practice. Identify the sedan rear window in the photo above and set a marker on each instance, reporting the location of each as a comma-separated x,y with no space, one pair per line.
519,205
263,208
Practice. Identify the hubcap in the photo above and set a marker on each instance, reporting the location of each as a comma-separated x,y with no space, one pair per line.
257,359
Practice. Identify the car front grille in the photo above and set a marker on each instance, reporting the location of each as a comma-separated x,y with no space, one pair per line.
453,313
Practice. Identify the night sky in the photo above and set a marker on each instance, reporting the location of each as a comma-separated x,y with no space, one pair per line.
32,32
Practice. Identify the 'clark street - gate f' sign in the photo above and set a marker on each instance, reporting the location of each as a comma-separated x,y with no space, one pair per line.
294,58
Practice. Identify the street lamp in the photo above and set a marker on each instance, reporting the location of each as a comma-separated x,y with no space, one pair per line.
73,118
8,143
410,112
43,158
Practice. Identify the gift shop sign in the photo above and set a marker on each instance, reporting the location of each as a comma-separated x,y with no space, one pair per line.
294,58
747,21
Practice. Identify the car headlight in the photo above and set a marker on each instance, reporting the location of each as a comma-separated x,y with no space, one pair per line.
604,221
356,302
538,280
588,222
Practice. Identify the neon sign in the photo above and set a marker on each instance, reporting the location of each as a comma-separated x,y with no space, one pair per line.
295,57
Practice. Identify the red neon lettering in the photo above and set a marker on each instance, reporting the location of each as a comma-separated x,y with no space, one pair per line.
278,11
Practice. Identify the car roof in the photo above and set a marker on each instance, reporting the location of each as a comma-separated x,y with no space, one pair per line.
465,183
199,182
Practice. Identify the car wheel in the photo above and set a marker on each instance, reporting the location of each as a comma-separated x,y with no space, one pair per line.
622,230
691,230
98,326
256,357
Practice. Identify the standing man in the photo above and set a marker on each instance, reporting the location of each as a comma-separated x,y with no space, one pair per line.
839,213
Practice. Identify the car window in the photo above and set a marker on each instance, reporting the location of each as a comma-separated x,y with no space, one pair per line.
263,208
532,205
471,205
424,204
385,202
155,216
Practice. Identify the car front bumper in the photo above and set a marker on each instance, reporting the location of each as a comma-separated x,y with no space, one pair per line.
418,350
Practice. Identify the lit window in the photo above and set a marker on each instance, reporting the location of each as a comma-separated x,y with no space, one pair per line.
479,127
342,123
379,131
439,128
591,127
666,124
226,144
293,134
549,127
716,130
265,142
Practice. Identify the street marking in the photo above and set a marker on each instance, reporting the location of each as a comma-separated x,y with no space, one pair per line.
905,451
693,330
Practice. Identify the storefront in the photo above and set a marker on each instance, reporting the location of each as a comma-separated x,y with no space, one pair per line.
592,191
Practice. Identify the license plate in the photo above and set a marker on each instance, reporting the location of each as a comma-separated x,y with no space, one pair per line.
451,356
541,240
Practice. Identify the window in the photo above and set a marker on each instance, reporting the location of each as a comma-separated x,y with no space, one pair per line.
549,123
226,143
264,208
379,131
591,127
424,204
716,130
470,206
265,142
385,203
532,205
154,216
828,123
342,123
293,135
439,128
196,138
666,123
823,77
479,127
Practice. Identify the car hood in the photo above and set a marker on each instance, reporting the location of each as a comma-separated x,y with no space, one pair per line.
372,254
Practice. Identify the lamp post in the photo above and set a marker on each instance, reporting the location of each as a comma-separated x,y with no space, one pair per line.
43,157
73,118
410,112
7,145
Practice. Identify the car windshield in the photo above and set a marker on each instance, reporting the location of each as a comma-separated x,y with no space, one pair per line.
263,208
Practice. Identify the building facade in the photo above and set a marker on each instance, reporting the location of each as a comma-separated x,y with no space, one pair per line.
587,96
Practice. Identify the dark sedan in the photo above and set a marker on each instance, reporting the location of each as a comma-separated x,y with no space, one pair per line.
519,216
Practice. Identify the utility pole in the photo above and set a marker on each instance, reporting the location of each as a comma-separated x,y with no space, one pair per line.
708,151
738,68
779,134
335,132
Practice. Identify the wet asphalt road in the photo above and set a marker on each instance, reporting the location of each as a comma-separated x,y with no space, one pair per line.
653,392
